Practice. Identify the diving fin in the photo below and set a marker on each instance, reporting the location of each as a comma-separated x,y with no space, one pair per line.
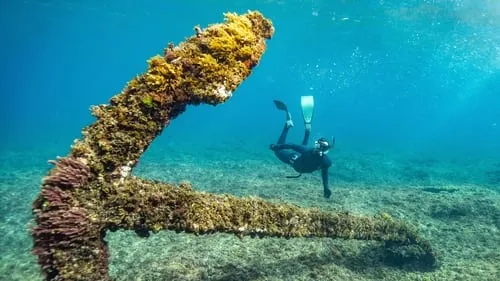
307,105
280,105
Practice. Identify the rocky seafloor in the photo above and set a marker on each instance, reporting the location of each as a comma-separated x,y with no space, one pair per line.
454,203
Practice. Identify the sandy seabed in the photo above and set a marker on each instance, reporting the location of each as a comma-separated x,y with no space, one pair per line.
455,204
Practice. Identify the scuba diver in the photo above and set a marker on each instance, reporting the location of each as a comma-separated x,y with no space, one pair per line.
302,158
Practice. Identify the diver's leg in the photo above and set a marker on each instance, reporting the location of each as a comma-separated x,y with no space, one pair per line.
284,133
307,133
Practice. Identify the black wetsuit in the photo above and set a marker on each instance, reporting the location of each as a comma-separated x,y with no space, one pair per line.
303,159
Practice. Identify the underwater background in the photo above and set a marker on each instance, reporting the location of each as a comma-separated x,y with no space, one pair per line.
409,89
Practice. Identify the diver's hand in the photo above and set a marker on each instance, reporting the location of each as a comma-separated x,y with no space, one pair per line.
327,193
273,147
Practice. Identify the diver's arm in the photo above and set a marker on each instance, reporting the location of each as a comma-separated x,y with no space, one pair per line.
295,147
326,190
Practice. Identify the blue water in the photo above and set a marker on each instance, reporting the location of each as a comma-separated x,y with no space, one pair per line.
408,75
392,77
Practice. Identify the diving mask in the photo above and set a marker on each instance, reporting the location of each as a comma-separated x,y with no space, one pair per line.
322,146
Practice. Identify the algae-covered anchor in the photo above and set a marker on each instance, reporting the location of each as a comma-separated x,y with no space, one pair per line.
90,191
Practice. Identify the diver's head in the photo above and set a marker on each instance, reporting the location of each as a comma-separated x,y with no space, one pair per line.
322,146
